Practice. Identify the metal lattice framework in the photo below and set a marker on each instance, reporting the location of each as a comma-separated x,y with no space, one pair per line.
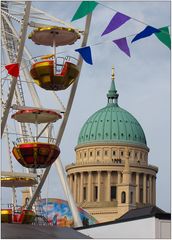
17,18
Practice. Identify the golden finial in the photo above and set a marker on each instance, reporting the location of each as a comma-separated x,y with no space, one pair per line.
113,72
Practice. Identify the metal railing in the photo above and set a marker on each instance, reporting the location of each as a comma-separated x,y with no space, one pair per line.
27,139
63,59
60,61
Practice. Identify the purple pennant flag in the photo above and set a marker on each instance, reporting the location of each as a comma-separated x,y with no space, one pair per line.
122,44
117,20
148,31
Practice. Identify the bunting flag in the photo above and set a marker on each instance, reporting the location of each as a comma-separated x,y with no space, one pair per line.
85,8
118,20
164,36
148,31
13,69
122,44
85,54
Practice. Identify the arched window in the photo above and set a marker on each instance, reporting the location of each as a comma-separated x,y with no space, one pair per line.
123,197
26,200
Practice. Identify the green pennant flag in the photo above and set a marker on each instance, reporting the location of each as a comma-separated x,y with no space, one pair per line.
85,8
164,36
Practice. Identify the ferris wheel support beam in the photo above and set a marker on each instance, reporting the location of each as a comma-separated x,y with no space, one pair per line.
26,73
18,60
14,199
17,94
59,166
52,18
31,87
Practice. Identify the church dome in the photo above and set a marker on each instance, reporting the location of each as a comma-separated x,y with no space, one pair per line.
112,124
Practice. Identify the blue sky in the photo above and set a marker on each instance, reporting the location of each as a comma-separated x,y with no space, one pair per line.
142,81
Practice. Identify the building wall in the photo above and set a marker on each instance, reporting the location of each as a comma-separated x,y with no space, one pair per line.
143,228
99,168
108,153
163,228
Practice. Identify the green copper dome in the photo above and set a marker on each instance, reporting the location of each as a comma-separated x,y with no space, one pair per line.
112,124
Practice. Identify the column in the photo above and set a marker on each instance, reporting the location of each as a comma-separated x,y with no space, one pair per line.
75,186
81,186
150,189
108,186
154,190
78,190
89,187
71,182
68,179
119,178
144,188
99,185
137,188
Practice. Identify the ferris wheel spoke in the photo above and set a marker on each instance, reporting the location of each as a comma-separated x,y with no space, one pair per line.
52,18
61,131
18,60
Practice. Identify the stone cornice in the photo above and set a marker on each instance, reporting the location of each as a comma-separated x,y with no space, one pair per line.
112,144
76,168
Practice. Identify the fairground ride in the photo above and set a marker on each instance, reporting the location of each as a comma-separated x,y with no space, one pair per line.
31,133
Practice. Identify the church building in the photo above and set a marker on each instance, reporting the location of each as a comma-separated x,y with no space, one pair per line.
111,174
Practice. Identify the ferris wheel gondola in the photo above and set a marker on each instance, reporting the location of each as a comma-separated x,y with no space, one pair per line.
45,72
16,179
33,153
15,214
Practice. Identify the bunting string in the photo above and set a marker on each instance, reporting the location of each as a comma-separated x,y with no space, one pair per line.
103,42
138,20
117,21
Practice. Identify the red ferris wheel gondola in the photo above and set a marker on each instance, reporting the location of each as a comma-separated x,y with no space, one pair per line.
31,153
36,154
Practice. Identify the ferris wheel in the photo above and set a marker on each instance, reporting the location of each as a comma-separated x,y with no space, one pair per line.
31,131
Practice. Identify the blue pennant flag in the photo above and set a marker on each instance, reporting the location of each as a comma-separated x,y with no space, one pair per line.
85,54
148,31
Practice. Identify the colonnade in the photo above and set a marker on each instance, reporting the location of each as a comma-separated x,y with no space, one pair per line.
145,186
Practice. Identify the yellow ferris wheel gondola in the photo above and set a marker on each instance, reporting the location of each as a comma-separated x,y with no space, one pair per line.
43,75
51,74
15,180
